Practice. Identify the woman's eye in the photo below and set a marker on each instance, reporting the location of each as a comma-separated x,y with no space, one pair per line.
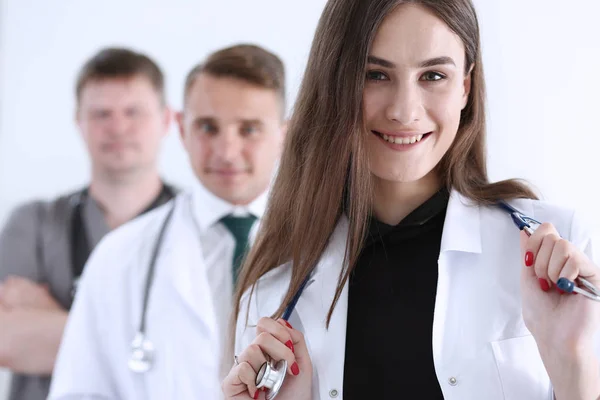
432,76
376,76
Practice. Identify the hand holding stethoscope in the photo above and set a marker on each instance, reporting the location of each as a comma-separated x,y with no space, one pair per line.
278,341
561,323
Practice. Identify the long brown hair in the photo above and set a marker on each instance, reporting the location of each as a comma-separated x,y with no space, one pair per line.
324,169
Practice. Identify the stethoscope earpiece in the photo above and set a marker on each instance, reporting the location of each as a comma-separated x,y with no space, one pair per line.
142,354
272,377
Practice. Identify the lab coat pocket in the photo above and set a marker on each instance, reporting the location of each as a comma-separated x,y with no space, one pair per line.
522,373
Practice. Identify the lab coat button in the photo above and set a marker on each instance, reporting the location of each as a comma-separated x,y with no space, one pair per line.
333,393
452,381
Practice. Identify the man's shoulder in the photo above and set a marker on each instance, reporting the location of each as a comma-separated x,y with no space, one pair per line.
145,225
129,245
56,208
35,213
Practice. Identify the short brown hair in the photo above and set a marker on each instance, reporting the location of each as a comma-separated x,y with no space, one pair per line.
114,62
246,62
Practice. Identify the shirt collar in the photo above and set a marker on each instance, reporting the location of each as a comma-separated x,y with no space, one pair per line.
462,227
414,223
208,209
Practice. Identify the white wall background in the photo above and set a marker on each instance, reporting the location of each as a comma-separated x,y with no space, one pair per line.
541,59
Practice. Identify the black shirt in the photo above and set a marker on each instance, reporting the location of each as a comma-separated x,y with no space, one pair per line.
391,302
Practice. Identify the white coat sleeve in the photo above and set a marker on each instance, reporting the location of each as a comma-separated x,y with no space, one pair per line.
585,237
82,370
587,240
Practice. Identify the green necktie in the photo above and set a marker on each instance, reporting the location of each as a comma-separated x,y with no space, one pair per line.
240,229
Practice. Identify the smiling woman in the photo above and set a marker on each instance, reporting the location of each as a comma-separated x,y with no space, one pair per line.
383,201
414,95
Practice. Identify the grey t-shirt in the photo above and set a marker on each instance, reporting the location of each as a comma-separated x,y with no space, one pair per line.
36,244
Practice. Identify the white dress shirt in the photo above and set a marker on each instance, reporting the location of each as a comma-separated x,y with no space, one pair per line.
218,245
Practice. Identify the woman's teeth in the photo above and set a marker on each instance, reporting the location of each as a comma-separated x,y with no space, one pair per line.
402,140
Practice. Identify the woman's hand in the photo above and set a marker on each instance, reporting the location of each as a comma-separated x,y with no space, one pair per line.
275,340
564,326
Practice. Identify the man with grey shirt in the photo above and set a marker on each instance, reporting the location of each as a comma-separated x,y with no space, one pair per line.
122,116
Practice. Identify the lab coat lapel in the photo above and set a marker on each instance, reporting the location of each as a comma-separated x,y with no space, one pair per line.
186,268
461,248
461,236
326,346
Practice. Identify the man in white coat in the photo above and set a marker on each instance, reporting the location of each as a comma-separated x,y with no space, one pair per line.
232,128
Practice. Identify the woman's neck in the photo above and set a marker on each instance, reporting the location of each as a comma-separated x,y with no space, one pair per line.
393,201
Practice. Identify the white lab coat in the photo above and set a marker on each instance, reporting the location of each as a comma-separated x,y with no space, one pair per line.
481,347
181,320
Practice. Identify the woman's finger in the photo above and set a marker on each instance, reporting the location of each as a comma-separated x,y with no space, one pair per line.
570,268
273,348
240,379
533,243
254,356
301,350
543,256
269,325
560,255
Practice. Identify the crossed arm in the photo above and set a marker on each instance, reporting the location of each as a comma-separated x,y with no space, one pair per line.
32,326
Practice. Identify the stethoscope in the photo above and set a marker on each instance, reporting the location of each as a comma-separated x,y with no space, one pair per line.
272,374
529,225
80,248
142,349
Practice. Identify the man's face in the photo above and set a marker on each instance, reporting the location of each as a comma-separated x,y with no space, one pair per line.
233,132
122,122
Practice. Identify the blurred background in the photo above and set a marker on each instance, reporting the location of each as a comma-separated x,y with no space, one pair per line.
541,58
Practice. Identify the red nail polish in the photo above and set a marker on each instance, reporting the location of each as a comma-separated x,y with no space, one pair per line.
295,369
544,285
529,259
560,291
256,394
288,324
290,345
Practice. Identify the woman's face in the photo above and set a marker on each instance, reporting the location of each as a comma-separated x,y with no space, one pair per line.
415,89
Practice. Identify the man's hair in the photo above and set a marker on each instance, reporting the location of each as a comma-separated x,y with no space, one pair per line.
115,63
246,62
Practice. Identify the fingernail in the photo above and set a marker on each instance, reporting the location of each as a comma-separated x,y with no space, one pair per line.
290,345
256,394
295,369
560,291
288,324
544,284
529,259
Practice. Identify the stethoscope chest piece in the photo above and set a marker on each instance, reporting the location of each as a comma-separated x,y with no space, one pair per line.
142,354
271,376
